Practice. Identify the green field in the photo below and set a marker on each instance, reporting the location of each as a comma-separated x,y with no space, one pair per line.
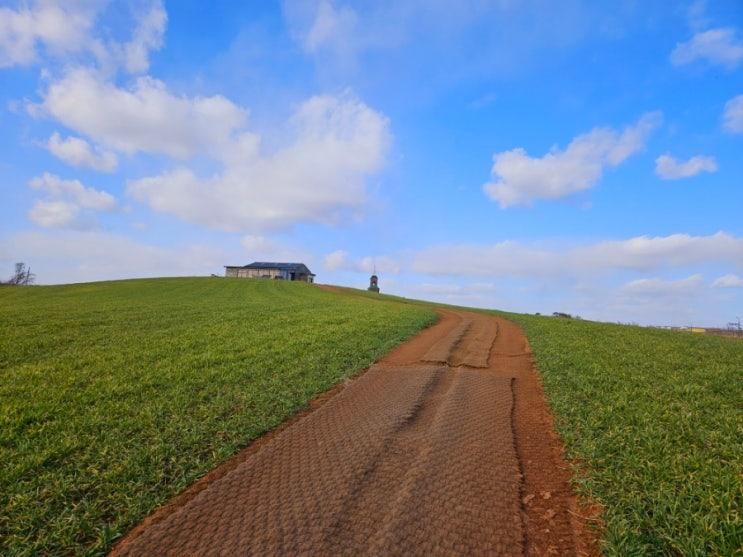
655,419
116,395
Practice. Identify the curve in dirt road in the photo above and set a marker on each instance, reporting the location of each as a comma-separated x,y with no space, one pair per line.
444,446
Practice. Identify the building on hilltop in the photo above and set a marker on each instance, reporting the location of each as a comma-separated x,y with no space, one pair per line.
271,270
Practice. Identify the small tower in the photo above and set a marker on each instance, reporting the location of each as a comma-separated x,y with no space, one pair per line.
373,284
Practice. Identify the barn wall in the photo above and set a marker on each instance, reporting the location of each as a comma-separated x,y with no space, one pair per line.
239,272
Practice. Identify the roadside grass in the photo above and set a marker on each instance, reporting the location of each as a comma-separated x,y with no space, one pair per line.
115,396
654,421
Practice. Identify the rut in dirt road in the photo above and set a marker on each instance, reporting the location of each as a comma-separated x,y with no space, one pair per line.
419,455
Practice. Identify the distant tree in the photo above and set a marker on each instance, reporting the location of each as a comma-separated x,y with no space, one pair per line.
562,314
22,276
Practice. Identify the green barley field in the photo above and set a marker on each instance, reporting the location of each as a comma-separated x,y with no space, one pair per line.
655,420
114,396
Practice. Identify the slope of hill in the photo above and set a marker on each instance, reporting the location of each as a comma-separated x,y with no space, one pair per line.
655,423
116,395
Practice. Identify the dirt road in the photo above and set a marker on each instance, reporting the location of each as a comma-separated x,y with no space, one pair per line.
444,446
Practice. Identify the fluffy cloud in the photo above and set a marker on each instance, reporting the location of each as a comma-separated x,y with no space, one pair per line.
640,254
64,202
733,115
717,46
669,168
148,36
340,261
318,177
61,27
78,256
78,152
728,281
146,117
519,179
55,214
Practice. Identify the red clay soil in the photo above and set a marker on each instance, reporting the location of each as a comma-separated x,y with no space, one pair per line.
444,446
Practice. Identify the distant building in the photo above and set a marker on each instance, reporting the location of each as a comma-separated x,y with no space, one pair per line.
270,270
373,284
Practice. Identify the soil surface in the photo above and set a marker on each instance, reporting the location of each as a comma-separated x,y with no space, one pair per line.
444,446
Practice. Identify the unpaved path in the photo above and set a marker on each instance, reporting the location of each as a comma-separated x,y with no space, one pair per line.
444,446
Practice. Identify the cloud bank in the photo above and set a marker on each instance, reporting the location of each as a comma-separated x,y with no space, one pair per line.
640,254
518,179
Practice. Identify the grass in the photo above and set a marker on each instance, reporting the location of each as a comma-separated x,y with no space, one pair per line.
654,420
115,396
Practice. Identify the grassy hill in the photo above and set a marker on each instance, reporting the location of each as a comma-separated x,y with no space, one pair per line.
116,395
655,421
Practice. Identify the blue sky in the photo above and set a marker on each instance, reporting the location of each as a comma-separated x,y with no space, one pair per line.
532,156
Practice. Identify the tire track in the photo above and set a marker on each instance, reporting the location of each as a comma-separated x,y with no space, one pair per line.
430,452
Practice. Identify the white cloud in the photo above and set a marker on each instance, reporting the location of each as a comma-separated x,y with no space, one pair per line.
87,198
654,287
317,177
145,117
669,168
733,115
330,25
64,29
519,179
339,260
656,300
64,202
148,35
377,264
261,248
641,254
61,27
336,260
78,256
54,214
78,152
728,281
717,46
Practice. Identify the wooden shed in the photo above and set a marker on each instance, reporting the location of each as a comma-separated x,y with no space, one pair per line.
271,270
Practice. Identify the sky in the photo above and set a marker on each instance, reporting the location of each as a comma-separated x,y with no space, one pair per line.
533,156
